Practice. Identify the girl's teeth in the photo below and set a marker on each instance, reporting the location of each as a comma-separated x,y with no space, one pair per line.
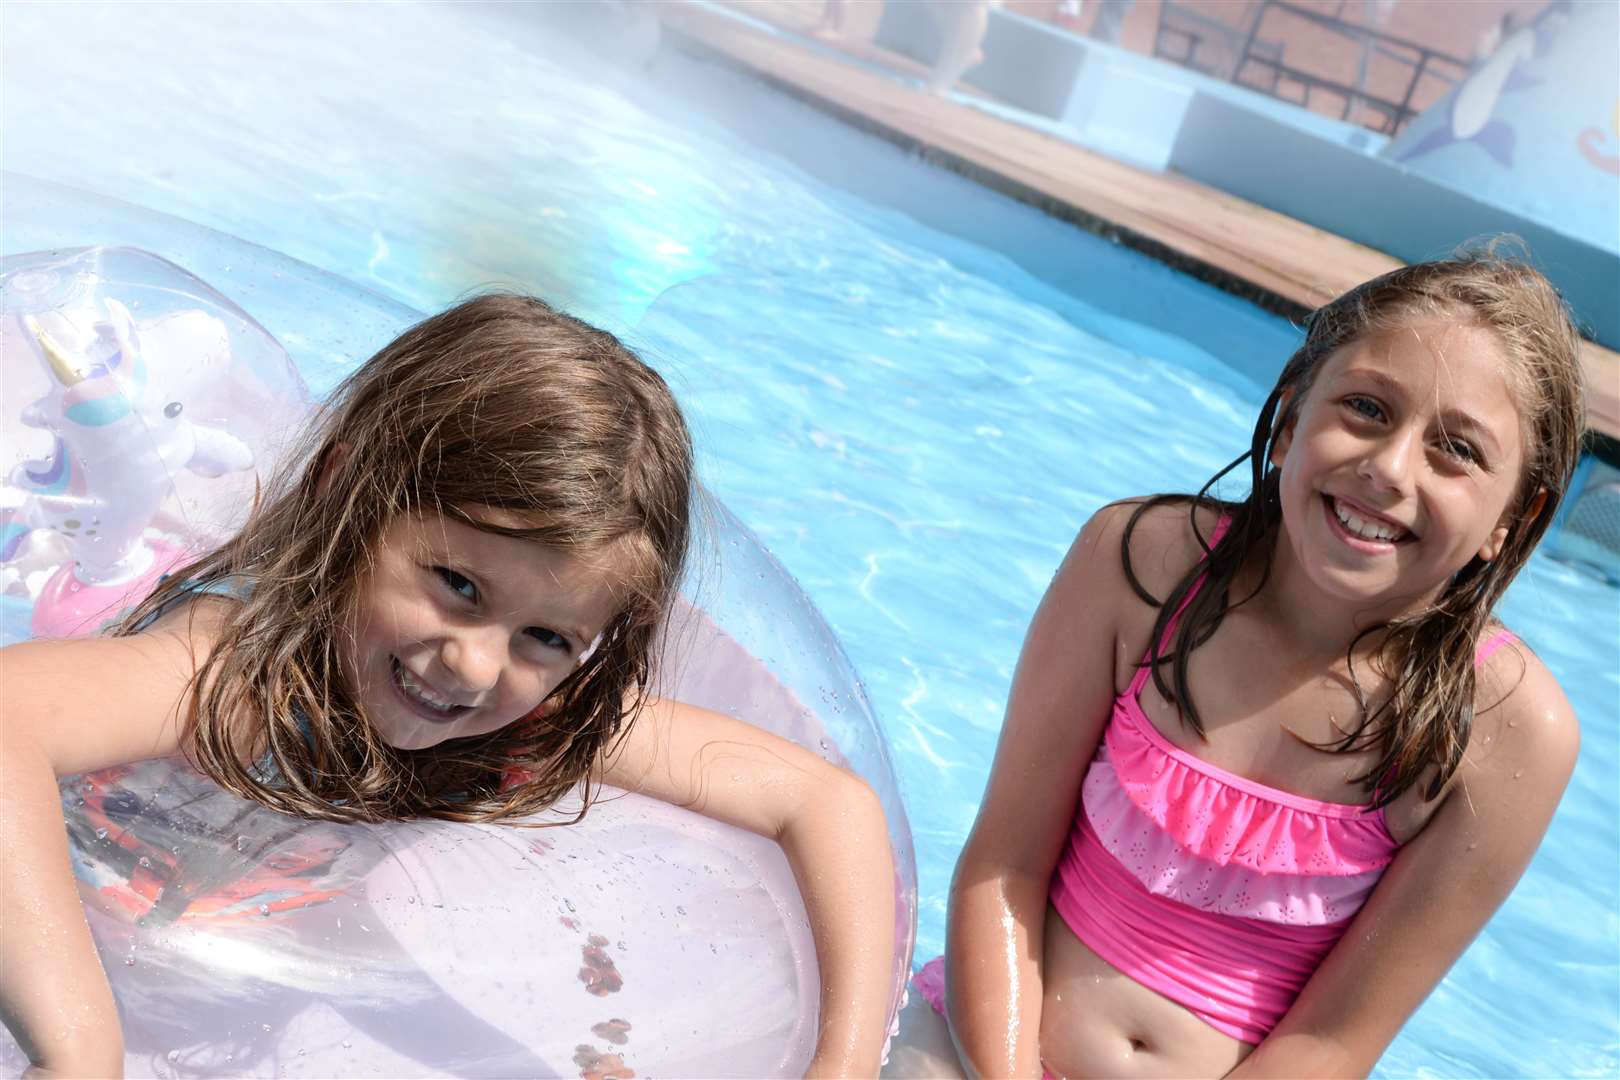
408,683
1365,528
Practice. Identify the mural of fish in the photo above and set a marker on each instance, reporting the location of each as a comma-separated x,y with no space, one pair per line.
1472,107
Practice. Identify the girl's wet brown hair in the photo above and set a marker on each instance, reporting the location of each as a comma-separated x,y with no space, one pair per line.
500,402
1422,726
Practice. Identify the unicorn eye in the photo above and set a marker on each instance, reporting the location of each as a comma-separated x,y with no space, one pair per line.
173,409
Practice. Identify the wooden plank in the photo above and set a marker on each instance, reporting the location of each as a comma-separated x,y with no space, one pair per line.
1281,263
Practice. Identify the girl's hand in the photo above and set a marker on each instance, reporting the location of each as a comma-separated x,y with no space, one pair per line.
832,829
1444,885
68,707
825,1065
1061,696
105,1068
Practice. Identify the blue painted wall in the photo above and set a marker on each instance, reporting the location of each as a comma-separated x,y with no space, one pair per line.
1534,128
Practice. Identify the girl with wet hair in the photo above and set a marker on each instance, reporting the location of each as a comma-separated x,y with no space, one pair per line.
1270,764
449,606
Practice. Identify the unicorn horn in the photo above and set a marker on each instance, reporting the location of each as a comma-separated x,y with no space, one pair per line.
61,366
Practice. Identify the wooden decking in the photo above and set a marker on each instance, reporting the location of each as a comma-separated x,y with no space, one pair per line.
1282,264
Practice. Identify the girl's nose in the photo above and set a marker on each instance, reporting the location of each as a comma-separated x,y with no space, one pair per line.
1388,463
474,660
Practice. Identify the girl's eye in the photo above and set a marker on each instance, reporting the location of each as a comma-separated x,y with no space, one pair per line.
1364,406
1460,450
549,638
459,584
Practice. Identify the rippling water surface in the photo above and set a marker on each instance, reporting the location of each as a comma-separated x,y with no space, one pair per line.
915,424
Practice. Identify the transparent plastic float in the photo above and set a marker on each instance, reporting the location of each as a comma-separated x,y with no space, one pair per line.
645,940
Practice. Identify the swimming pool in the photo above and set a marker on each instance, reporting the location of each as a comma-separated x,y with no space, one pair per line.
915,423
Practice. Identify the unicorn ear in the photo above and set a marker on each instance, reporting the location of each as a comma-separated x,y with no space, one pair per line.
120,327
218,452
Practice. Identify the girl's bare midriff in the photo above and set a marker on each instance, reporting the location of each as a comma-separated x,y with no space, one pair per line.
1096,1022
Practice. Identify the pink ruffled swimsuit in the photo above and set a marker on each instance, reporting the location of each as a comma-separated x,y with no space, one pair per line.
1220,893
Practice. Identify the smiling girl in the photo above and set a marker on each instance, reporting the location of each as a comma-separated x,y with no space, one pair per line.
448,609
1269,765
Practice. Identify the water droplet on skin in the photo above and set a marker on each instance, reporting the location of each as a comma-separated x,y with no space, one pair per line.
145,861
264,909
129,961
241,843
1518,774
266,1027
101,834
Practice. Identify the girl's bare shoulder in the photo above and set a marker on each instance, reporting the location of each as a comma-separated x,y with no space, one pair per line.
1160,539
85,703
1523,722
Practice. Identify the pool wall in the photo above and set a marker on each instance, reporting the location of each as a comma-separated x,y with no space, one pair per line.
1160,116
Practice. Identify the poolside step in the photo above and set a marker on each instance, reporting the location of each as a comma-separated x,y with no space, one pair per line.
1281,263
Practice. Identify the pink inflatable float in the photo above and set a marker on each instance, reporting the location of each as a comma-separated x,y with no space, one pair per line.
137,406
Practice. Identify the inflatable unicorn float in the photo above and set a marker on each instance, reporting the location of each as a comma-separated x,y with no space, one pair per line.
116,416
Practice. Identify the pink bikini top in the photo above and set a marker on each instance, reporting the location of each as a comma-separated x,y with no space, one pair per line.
1220,893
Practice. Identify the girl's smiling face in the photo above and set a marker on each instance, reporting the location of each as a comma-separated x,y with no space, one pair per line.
457,631
1402,463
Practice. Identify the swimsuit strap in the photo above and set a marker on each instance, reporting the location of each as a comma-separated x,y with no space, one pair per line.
1145,670
1495,641
1483,653
233,586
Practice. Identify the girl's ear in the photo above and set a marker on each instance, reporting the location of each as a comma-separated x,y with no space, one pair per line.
1498,538
1285,434
1538,502
333,465
1495,542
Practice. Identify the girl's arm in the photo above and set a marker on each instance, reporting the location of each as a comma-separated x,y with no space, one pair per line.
1060,702
832,829
68,707
1443,886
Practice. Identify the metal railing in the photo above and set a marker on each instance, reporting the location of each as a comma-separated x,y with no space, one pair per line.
1242,53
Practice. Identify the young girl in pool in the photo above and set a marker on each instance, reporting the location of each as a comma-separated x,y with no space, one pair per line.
1268,766
450,612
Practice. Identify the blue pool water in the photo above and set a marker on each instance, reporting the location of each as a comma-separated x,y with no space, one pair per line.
915,422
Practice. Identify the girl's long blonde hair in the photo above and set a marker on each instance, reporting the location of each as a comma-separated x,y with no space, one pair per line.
1428,657
498,402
